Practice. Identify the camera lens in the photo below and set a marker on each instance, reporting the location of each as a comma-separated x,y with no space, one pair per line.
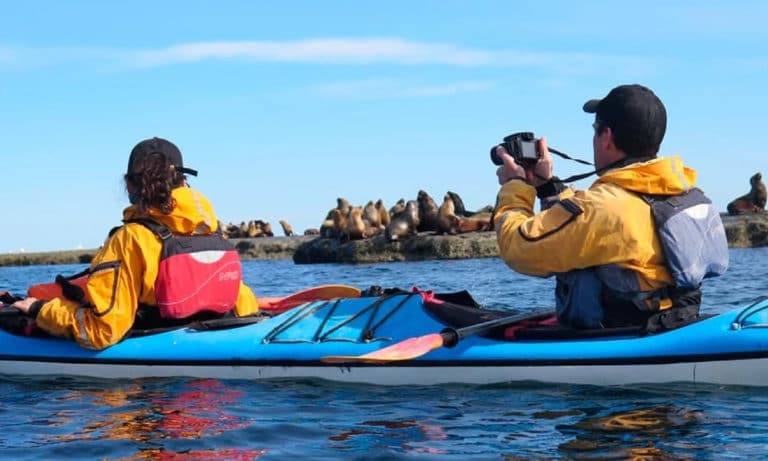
495,158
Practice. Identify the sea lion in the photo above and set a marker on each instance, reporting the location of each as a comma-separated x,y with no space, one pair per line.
752,202
450,223
222,229
355,225
761,195
476,223
339,224
460,210
397,207
254,230
266,227
383,213
343,205
447,222
233,231
458,204
327,228
311,231
427,212
371,215
404,223
287,229
259,228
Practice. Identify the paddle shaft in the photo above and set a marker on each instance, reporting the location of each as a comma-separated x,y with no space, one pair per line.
452,336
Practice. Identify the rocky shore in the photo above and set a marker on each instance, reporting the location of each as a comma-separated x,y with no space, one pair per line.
416,248
745,231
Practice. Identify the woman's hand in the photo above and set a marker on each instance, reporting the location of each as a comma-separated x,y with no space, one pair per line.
24,305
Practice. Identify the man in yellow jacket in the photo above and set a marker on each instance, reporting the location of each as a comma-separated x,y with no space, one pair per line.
123,276
602,243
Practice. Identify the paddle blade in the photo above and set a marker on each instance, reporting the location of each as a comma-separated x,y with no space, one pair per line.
322,292
404,350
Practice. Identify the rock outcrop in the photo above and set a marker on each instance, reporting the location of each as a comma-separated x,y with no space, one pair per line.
270,248
743,231
746,231
415,248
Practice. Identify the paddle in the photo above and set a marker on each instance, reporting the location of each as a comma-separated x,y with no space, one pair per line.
412,348
321,292
272,305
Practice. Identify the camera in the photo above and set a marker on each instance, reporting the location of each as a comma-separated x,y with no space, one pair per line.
522,147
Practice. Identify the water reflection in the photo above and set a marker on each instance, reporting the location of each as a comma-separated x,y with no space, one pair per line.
411,436
148,417
229,454
649,433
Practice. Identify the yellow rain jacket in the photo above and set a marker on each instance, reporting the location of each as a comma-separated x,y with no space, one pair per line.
123,274
603,225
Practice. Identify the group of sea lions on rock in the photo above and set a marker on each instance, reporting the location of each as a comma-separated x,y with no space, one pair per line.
252,229
258,228
753,201
348,222
406,218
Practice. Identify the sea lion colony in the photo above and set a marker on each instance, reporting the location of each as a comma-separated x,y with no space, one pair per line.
349,222
405,218
251,229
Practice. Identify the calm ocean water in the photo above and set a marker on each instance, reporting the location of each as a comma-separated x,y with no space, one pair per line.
242,420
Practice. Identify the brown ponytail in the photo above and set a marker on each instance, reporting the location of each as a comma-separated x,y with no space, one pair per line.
153,179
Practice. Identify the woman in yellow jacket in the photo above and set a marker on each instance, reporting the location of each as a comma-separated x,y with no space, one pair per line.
131,268
602,243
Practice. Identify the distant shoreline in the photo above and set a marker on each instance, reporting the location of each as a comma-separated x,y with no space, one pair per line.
261,248
744,231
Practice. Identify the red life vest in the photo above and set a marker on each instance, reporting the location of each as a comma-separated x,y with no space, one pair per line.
196,273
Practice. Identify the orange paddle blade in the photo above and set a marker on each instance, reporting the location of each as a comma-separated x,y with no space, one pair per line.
322,292
404,350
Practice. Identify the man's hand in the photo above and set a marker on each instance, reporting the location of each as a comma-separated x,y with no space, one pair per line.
509,169
542,171
539,174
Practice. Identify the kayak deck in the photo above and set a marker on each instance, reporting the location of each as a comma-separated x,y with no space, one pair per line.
730,348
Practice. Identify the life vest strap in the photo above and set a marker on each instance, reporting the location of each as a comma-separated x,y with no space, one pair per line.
158,229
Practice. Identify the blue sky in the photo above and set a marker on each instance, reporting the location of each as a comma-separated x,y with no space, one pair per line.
285,106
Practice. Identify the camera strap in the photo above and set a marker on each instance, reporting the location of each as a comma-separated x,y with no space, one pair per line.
617,164
568,157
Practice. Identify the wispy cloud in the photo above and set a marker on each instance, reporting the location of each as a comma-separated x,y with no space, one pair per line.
329,50
387,51
341,51
386,89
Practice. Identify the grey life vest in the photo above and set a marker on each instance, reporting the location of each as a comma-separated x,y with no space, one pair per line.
693,239
692,235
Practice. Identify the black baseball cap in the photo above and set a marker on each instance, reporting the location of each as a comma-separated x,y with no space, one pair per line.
158,146
636,116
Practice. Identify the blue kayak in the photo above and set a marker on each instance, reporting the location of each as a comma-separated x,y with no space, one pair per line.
326,339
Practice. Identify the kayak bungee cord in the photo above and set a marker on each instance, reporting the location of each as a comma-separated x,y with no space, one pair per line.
297,316
367,334
738,322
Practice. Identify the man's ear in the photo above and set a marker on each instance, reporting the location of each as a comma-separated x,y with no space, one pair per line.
606,138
